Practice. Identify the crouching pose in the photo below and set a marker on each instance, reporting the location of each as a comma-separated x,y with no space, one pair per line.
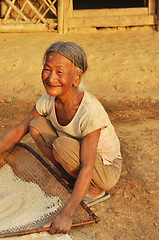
72,129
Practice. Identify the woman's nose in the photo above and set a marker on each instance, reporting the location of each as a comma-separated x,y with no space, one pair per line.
52,77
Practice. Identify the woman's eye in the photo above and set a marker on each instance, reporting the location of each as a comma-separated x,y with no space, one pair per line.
59,72
46,69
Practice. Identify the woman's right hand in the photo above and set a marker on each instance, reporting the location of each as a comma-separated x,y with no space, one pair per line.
15,134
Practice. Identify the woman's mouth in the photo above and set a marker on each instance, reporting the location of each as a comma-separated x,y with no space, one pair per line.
53,85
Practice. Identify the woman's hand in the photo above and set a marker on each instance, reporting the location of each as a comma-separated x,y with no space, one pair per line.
63,221
15,134
60,224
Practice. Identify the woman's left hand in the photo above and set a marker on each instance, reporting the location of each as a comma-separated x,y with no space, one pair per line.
60,224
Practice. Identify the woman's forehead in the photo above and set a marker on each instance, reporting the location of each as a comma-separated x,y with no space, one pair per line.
58,60
57,57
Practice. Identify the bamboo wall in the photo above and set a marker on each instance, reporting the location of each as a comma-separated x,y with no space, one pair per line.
59,15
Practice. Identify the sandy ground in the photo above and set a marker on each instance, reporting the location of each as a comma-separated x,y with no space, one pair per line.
124,74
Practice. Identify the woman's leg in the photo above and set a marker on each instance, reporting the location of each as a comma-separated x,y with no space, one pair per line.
43,134
64,152
106,176
67,152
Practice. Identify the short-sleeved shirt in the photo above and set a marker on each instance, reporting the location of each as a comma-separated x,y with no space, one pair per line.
89,117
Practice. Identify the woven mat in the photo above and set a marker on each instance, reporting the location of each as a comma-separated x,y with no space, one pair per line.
30,167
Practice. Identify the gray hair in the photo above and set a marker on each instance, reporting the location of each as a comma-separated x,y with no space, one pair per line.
71,51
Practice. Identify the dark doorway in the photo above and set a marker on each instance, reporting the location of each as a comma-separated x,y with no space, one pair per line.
98,4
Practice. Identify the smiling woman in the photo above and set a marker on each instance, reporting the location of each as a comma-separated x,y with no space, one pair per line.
59,75
72,129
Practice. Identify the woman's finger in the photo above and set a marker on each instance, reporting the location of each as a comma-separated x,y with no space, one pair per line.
48,224
53,230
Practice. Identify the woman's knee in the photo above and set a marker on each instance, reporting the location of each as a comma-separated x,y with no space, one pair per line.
36,136
66,151
105,176
33,132
67,147
41,128
32,126
36,121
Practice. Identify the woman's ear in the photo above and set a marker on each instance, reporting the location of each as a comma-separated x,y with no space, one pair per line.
77,81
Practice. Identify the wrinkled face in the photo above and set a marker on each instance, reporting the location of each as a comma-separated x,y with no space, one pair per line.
59,74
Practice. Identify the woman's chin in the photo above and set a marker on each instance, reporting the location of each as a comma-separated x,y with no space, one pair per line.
52,92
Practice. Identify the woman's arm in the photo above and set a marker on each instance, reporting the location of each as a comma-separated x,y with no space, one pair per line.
63,221
15,134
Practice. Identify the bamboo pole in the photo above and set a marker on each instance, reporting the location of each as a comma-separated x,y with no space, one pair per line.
25,27
60,15
17,10
21,233
46,229
9,11
36,12
21,10
50,7
34,17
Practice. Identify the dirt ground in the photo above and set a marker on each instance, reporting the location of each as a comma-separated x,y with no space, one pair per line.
124,74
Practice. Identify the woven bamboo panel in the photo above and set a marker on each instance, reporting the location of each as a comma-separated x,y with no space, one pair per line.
29,11
30,167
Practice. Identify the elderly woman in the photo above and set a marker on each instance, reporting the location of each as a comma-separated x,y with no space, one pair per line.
73,130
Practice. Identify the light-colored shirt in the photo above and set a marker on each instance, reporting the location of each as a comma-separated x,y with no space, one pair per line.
89,117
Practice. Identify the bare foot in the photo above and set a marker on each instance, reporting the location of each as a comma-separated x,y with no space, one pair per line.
94,192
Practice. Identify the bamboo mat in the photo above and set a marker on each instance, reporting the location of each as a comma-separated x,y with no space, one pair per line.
30,167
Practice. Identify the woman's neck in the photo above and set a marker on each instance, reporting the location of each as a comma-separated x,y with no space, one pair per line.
71,99
66,110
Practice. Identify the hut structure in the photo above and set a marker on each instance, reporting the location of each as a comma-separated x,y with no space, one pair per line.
62,15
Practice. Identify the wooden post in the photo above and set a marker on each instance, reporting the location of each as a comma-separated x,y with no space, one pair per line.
65,14
152,7
158,15
60,14
68,9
